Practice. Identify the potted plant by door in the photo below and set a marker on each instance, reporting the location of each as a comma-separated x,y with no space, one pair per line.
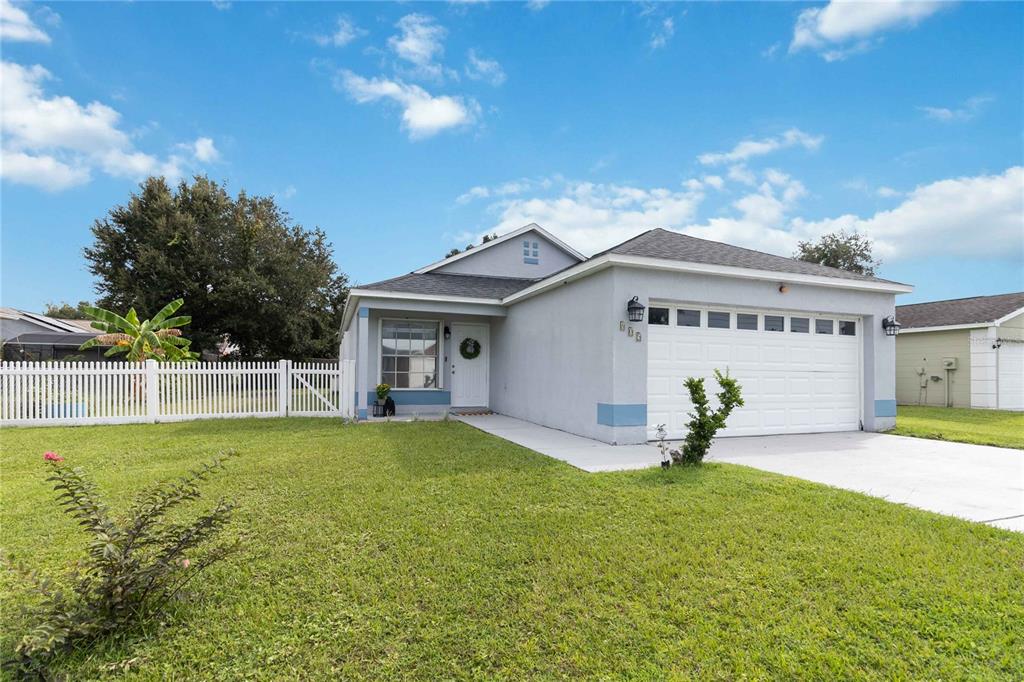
385,406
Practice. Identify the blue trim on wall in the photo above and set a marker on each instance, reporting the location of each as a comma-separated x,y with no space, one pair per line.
611,414
885,408
531,261
414,397
362,414
364,312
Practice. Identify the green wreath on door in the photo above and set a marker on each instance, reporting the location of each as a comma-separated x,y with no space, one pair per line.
469,348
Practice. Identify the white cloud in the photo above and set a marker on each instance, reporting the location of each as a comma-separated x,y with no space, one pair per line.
480,68
888,192
663,33
55,142
940,218
423,114
944,217
714,181
16,24
537,5
345,31
845,27
593,217
741,173
504,189
420,42
204,150
222,5
289,192
971,107
751,148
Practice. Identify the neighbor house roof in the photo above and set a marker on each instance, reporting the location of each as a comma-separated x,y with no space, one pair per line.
447,284
47,323
668,245
975,311
51,339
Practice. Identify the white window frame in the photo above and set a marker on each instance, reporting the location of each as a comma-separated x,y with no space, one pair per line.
703,309
438,358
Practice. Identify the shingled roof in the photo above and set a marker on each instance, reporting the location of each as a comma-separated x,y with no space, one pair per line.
659,243
959,311
447,284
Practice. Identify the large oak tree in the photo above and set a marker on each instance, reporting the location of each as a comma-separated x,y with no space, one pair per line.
245,270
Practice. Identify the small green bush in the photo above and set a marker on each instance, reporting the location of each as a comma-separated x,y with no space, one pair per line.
382,391
133,566
705,423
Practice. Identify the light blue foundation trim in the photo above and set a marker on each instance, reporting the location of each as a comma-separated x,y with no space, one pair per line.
362,414
611,414
414,397
364,312
885,408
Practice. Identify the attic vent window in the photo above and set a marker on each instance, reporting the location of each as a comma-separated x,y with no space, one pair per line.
531,252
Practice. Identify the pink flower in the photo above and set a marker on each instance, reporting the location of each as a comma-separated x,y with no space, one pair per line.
185,563
52,457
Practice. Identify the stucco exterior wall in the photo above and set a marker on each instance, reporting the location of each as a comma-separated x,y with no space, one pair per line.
560,359
552,360
926,350
879,351
506,259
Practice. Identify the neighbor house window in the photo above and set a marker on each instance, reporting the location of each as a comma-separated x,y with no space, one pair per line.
801,325
774,323
658,316
823,326
718,320
746,321
688,318
408,354
847,328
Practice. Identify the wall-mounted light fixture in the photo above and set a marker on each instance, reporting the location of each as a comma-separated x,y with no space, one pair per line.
891,326
635,309
447,332
783,288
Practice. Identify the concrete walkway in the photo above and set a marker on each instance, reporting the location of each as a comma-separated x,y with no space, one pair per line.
974,482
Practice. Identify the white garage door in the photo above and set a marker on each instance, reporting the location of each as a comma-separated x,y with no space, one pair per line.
800,373
1011,376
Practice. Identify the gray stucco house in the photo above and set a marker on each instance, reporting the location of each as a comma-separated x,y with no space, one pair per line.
557,347
964,352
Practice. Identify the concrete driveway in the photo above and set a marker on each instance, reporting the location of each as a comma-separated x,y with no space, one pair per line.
973,482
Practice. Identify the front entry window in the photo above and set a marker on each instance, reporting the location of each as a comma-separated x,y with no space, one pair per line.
408,354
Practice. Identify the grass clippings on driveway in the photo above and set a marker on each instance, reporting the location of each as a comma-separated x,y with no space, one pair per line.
434,551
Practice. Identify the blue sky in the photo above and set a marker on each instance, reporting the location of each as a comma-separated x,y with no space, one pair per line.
405,129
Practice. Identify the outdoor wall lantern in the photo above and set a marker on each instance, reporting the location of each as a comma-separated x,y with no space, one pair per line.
447,332
891,326
635,309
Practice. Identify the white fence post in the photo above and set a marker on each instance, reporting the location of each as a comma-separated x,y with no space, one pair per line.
152,392
284,387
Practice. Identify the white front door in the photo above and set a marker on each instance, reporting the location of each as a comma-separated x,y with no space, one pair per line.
470,378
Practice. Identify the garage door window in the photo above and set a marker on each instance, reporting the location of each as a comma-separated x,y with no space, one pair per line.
774,323
847,328
801,325
746,321
688,318
823,326
718,320
659,316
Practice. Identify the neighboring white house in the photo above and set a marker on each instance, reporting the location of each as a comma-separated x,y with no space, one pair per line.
526,326
966,352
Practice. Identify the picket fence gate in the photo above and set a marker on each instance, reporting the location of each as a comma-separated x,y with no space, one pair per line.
78,393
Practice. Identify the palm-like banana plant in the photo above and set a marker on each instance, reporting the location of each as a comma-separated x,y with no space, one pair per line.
158,338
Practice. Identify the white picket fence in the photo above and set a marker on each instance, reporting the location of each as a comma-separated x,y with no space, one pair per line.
76,393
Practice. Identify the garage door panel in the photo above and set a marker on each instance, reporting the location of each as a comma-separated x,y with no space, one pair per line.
791,382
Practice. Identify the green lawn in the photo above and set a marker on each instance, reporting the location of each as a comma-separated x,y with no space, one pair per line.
985,427
432,551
